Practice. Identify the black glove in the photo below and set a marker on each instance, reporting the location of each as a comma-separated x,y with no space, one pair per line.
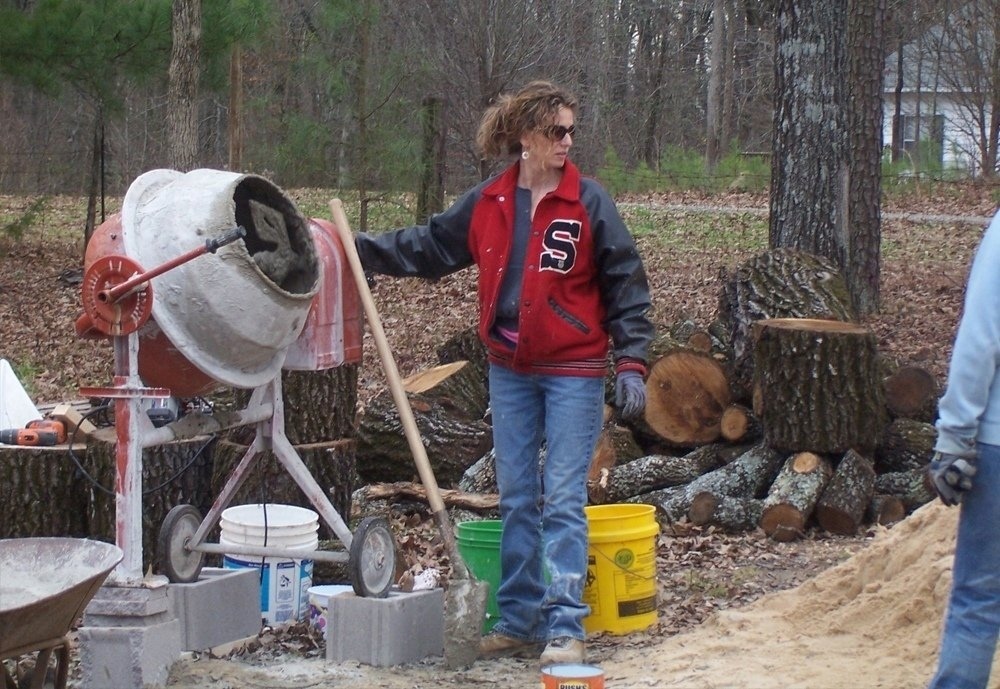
630,394
951,476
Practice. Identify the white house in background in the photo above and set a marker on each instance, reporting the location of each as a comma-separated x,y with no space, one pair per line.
946,91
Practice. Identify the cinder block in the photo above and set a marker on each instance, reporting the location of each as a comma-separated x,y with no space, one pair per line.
133,657
402,628
222,606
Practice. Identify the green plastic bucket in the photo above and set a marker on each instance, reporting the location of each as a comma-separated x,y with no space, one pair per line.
479,545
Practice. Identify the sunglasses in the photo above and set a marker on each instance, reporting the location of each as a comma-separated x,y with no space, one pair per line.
557,132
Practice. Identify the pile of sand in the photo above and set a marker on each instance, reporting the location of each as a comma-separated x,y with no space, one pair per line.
872,621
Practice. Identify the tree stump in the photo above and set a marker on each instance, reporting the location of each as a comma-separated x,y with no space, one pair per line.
780,283
911,392
906,445
793,496
730,513
42,493
686,394
174,473
749,475
841,508
332,464
816,386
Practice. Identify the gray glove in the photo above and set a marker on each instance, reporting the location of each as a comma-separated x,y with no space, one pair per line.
951,476
630,394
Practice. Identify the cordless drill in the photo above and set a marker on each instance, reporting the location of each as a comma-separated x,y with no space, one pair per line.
41,433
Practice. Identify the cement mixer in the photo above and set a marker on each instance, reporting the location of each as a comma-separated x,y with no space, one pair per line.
212,278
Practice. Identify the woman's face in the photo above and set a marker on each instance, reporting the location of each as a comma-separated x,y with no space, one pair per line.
549,146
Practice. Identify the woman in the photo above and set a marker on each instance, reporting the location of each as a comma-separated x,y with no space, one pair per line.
558,275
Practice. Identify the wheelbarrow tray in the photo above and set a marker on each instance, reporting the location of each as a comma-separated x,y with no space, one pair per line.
45,584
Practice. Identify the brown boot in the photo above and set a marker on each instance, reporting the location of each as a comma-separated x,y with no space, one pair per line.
563,650
497,645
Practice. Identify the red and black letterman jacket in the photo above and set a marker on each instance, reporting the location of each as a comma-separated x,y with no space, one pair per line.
583,278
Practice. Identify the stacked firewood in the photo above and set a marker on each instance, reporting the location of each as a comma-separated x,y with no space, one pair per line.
779,415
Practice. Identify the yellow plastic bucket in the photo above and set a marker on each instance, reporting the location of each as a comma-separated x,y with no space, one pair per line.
621,568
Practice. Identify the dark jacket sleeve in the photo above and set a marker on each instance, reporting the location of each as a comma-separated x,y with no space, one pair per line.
433,250
624,288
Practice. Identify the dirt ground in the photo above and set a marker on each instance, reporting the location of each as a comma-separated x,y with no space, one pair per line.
871,621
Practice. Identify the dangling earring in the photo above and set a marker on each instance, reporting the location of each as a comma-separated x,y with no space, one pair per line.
524,154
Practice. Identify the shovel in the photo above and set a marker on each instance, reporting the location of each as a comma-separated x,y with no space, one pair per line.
465,598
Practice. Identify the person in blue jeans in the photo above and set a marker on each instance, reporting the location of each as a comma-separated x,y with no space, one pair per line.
560,285
965,469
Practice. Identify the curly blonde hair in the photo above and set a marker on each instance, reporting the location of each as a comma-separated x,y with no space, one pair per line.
534,106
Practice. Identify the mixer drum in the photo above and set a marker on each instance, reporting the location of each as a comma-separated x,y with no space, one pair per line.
234,313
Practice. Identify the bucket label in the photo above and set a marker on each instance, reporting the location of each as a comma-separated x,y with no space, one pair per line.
284,586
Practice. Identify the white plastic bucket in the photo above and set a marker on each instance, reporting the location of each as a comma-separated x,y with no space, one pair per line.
319,603
284,581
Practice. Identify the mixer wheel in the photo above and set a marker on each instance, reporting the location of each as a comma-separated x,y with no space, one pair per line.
372,558
181,564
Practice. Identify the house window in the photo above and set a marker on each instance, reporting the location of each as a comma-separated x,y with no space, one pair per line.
928,147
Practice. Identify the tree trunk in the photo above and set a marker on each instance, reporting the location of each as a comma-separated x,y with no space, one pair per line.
841,508
481,477
776,284
794,495
182,95
912,392
746,476
907,445
808,166
885,510
687,392
430,199
235,163
865,69
816,386
656,471
466,346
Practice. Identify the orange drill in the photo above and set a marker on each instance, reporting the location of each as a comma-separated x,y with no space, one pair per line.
40,433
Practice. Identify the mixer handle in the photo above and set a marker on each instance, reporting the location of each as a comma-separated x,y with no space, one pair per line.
213,245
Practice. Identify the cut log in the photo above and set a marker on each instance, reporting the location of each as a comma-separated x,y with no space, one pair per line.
477,502
657,471
42,493
453,440
907,444
885,510
687,392
616,445
793,496
481,477
911,487
727,512
780,283
456,386
332,464
911,392
749,475
841,507
740,425
691,336
815,385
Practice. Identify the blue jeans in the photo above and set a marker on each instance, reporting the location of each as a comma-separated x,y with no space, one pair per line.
969,639
543,548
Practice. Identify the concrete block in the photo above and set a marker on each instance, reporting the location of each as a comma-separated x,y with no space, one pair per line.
133,657
222,606
115,606
402,628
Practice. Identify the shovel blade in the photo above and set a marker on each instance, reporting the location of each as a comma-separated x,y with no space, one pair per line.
464,612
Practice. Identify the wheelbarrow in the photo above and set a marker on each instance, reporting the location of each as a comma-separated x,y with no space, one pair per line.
44,587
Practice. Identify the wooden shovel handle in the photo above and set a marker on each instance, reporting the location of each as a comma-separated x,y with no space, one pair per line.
388,363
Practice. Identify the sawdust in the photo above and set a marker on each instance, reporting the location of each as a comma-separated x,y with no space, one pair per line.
872,621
